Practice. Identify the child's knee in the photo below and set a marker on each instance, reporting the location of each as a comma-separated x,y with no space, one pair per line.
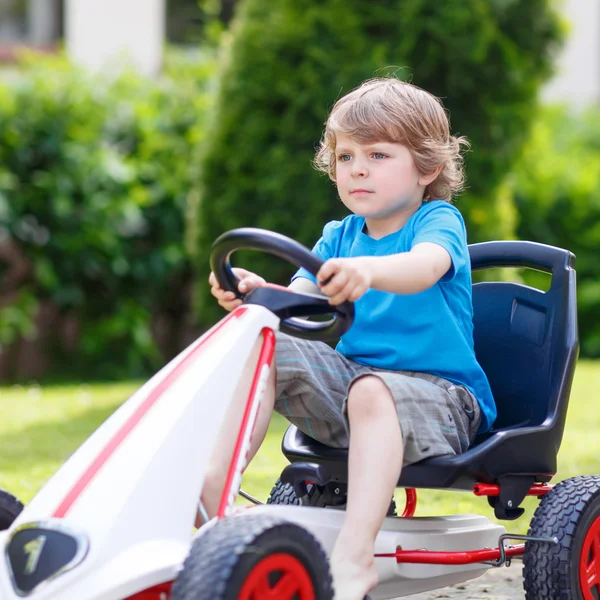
368,396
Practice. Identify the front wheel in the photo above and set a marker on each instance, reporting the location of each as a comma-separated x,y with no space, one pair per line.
570,569
251,557
10,509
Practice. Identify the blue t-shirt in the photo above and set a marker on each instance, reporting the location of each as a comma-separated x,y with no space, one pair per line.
429,332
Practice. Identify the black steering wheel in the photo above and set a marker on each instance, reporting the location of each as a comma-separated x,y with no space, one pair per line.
287,301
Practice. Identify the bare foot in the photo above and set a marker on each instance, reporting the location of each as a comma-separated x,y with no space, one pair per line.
353,577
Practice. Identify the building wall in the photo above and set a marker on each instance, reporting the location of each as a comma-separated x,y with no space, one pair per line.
99,33
577,79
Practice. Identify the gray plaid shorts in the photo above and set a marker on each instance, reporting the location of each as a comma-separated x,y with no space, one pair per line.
436,416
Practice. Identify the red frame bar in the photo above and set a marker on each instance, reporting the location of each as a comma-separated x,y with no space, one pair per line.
466,557
490,489
479,489
411,503
240,453
460,557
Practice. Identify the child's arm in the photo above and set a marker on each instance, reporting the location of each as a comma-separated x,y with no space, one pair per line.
404,273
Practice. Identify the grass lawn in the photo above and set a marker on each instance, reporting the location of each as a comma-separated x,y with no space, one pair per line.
40,427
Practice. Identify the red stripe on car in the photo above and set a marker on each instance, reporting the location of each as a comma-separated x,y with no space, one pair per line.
135,418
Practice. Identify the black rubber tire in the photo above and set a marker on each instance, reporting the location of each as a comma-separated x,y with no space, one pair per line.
551,571
221,559
10,509
283,493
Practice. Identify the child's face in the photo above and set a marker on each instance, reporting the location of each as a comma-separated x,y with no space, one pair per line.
377,180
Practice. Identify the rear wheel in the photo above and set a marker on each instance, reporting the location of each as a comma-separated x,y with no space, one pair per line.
569,570
332,496
254,557
283,493
10,509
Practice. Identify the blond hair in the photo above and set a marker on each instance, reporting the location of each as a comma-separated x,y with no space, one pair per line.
390,110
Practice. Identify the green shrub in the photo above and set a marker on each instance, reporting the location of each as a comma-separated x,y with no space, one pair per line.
556,188
95,175
289,61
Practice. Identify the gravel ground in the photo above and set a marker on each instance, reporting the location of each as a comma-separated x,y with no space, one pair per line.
503,583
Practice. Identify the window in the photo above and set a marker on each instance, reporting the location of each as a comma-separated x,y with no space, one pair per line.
35,23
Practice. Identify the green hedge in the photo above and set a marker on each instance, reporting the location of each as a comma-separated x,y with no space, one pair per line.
556,189
289,61
95,179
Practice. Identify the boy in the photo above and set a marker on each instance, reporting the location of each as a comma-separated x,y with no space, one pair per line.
404,380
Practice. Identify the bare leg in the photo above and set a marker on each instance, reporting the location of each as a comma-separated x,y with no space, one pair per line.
221,458
375,462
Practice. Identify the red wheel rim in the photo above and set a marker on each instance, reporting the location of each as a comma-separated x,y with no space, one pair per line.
278,577
589,563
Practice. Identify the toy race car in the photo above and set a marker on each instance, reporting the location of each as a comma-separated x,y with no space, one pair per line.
115,522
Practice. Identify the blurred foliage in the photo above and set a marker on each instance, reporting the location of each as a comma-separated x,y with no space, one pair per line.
95,176
198,21
185,21
222,10
556,190
289,61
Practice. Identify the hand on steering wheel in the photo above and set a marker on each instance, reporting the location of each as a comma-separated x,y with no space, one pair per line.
299,304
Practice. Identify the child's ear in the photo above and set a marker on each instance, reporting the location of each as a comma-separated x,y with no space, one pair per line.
430,177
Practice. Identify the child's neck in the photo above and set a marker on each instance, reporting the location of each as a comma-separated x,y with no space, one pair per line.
379,228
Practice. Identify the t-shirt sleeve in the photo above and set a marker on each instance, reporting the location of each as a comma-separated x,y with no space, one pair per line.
446,228
323,249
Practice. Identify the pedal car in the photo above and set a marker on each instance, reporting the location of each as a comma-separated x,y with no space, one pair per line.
114,523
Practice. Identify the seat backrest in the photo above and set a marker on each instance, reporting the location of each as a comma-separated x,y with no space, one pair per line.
525,339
